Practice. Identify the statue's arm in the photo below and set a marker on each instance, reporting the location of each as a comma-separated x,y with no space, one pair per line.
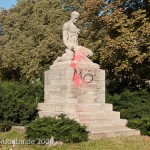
66,35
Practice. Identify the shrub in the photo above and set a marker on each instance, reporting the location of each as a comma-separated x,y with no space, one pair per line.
60,127
5,125
131,104
142,124
19,101
134,106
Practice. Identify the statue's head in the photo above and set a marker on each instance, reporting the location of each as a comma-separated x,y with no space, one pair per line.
74,16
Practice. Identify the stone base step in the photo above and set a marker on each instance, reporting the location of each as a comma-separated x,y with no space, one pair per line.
114,131
106,122
52,114
63,107
106,128
85,116
47,114
88,116
98,119
18,128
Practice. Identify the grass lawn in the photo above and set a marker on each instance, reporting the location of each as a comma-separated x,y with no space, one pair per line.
124,143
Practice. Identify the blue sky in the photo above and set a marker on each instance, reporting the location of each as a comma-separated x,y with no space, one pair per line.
7,3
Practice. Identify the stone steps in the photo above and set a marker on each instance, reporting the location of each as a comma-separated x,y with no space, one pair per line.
53,107
98,119
113,131
48,113
103,123
85,116
88,116
106,128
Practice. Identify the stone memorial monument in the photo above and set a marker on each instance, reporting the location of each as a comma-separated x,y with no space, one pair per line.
75,86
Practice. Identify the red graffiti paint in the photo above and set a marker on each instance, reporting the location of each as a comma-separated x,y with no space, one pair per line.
77,79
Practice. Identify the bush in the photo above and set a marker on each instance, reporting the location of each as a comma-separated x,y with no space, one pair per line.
134,106
5,125
19,102
131,104
142,124
60,127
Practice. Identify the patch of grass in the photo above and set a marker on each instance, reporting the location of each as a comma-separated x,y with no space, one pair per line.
11,135
123,143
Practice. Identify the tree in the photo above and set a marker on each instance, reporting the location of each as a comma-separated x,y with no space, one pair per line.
130,6
121,43
3,14
32,37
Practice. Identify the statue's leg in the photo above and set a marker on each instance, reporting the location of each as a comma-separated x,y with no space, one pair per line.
87,52
68,55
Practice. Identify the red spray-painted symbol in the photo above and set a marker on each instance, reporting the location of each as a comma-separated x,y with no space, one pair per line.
77,78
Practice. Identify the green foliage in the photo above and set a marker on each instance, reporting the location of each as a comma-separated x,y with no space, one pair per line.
32,38
19,102
131,6
133,106
121,43
142,124
5,125
61,128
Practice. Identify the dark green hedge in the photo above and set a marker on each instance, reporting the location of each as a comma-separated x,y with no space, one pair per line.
19,102
134,106
61,128
142,124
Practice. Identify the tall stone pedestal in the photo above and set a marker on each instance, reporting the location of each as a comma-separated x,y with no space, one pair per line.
82,99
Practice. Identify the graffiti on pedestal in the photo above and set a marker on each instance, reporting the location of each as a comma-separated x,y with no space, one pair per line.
81,76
